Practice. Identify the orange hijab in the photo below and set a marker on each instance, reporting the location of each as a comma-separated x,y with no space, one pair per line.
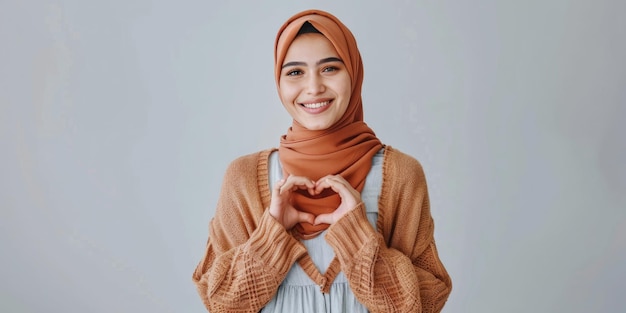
347,147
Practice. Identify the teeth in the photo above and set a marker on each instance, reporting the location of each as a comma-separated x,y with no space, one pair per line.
315,105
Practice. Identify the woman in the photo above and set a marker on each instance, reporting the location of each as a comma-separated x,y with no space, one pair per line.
332,221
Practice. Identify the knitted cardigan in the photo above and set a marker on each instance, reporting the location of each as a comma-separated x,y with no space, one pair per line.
395,268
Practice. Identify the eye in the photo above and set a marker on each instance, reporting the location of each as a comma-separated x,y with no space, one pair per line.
294,73
330,69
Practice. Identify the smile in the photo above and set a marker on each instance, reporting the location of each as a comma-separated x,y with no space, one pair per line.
315,105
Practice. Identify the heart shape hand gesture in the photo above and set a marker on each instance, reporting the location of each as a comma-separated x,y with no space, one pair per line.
288,216
350,197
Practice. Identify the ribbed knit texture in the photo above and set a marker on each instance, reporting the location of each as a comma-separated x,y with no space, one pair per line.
393,269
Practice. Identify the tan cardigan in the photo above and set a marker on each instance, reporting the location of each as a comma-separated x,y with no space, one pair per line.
393,269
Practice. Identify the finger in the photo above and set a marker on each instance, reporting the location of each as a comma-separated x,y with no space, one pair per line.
276,201
284,185
342,187
278,184
306,217
297,182
322,184
294,183
329,182
323,219
277,187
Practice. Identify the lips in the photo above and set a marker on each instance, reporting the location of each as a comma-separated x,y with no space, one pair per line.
316,106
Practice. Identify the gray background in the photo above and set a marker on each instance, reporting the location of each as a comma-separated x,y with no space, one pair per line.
118,119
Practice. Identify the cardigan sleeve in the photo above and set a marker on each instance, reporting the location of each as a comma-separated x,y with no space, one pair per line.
248,252
396,269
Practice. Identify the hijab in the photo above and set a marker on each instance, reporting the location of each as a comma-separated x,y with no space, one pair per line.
345,148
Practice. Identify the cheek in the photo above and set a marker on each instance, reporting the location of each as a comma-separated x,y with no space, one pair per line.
346,89
346,93
345,84
287,93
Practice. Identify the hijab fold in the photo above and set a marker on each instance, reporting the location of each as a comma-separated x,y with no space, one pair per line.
347,147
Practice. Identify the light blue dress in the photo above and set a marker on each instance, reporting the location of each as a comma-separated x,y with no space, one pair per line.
298,293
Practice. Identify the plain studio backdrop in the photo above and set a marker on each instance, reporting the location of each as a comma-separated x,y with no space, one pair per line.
118,119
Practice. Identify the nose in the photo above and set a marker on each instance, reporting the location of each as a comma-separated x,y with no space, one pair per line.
315,84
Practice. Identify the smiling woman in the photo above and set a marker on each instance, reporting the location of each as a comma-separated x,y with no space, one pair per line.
331,197
314,85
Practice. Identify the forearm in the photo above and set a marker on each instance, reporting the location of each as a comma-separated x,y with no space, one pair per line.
246,277
382,278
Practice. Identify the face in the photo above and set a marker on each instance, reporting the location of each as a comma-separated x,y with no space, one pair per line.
314,84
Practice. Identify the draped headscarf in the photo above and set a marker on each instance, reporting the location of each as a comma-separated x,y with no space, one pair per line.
347,147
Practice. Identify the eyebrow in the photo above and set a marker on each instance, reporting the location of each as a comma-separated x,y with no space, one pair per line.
322,61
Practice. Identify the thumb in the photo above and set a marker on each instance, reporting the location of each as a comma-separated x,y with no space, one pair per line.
323,219
306,217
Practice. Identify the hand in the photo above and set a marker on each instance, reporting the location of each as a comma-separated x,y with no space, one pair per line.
350,197
280,206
